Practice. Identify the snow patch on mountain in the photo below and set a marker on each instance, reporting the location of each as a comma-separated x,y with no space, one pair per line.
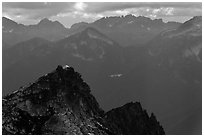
193,51
100,38
115,75
10,31
7,31
66,66
130,22
82,57
102,54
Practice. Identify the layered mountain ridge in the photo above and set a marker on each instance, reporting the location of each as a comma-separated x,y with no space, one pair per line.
14,33
126,30
60,102
165,74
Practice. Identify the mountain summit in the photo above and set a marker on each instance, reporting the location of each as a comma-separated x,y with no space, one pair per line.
128,30
14,33
61,103
44,23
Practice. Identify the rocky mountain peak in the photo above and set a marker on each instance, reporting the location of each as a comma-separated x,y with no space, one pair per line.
77,25
131,16
196,19
9,24
60,102
45,21
54,97
6,20
49,23
132,118
194,23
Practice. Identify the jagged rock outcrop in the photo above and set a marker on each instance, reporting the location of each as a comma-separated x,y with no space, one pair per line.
61,103
132,119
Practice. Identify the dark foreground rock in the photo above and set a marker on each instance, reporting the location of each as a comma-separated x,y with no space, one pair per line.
61,103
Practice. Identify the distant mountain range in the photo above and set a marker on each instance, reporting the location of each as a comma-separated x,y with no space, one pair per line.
13,32
126,30
162,68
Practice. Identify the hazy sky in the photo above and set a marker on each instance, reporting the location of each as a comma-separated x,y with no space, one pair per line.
71,12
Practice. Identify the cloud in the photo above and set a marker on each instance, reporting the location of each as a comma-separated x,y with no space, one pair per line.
80,6
36,5
110,6
90,11
35,10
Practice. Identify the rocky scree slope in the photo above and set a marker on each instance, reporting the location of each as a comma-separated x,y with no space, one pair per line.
60,102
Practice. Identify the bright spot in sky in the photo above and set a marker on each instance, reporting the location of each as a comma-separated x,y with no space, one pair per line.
80,6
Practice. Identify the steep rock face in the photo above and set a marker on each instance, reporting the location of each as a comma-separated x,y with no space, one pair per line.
61,103
132,119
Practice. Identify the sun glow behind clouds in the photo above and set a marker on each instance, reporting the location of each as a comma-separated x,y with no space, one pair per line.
81,6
